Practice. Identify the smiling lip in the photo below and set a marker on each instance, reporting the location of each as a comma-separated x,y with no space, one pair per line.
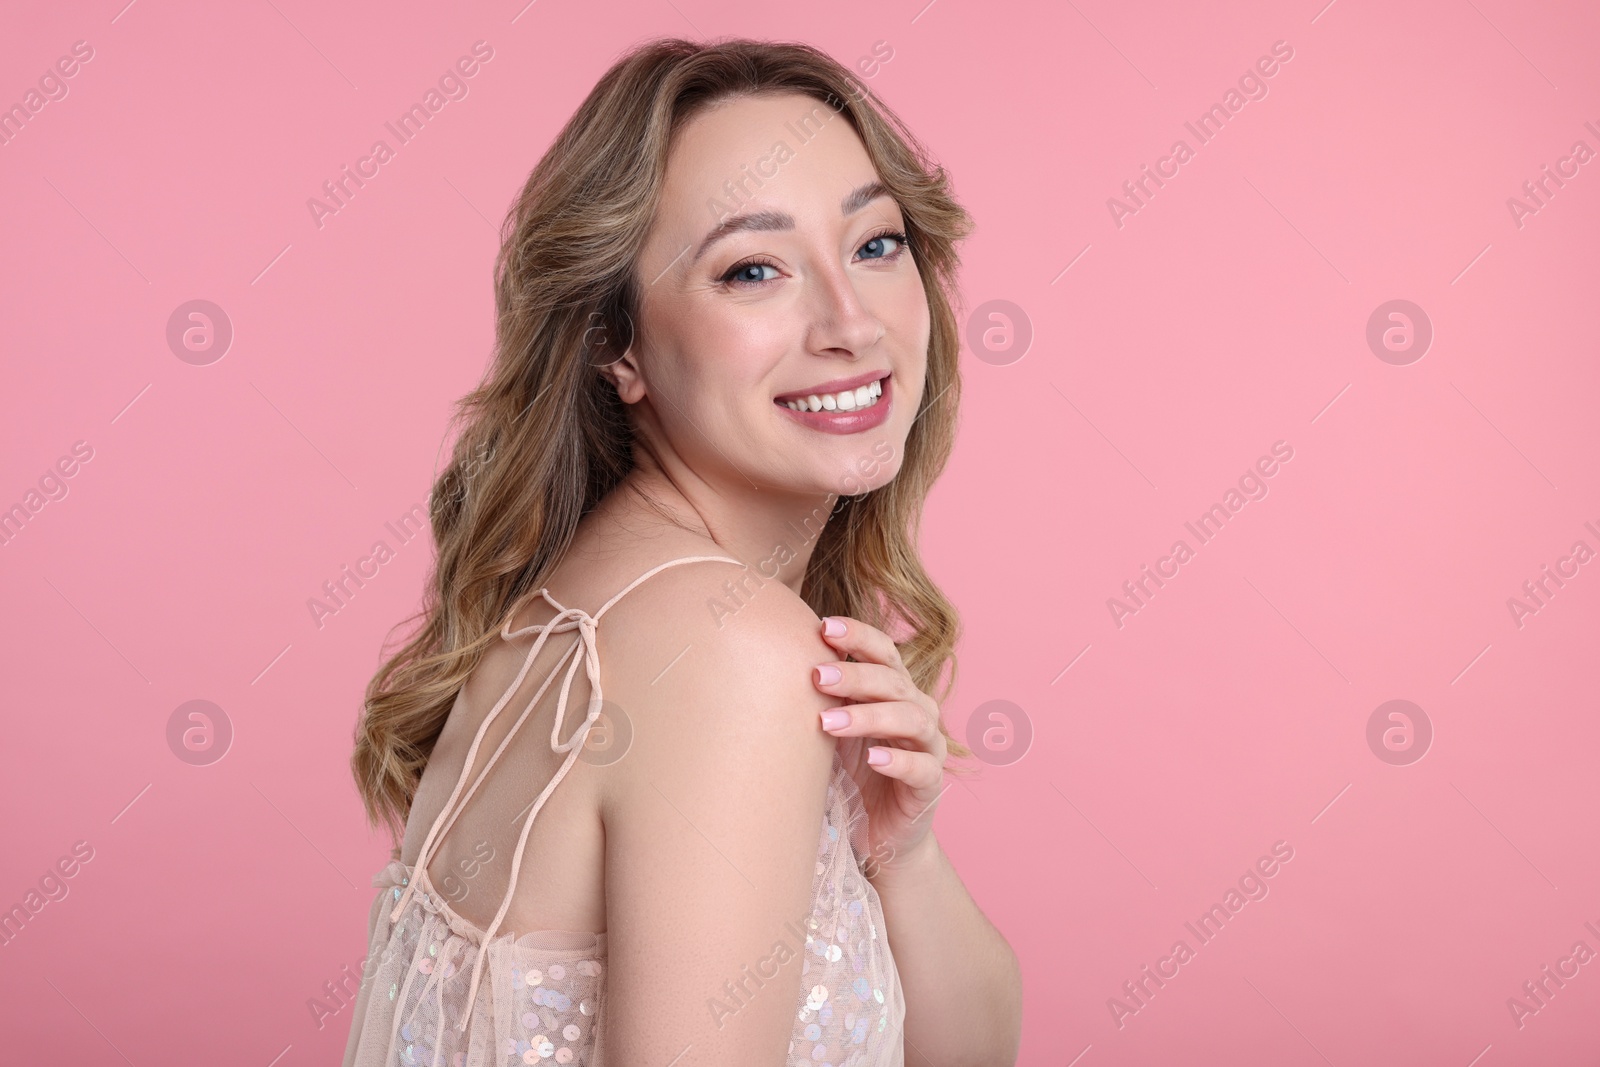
843,422
836,385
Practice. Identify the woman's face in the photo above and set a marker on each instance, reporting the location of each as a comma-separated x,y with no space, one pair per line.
770,276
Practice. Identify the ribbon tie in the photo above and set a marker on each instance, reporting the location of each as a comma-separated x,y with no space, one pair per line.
566,619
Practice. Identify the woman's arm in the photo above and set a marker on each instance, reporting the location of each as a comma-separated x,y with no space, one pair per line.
962,985
712,820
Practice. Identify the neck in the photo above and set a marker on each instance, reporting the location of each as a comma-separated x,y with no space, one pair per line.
773,532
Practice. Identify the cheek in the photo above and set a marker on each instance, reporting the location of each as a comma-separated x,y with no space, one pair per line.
911,325
743,346
731,359
752,340
714,346
907,313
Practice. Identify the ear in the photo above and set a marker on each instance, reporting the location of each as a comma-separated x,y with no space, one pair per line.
623,372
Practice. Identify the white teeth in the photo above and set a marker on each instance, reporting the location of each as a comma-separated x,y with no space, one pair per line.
848,400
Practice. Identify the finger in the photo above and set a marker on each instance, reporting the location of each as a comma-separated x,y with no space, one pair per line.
896,719
867,682
866,643
918,770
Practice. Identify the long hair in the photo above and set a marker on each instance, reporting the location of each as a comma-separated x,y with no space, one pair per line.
544,437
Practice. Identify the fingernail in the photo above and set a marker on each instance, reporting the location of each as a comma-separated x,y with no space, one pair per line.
832,627
827,674
833,720
877,756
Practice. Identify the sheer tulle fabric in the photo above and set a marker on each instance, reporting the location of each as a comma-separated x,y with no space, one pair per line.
538,1001
431,996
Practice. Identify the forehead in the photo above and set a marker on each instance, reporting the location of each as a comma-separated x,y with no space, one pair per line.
784,150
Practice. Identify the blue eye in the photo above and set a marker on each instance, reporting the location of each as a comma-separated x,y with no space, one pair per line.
898,238
743,267
730,278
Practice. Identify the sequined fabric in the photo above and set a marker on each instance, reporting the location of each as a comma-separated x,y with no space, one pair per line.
546,991
431,995
543,990
851,1010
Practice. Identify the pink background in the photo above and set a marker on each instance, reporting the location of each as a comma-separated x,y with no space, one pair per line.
1228,313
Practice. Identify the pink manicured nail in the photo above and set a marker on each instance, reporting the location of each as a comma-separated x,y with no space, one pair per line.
832,627
835,719
827,674
877,756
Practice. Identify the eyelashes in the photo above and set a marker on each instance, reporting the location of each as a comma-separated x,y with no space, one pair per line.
731,280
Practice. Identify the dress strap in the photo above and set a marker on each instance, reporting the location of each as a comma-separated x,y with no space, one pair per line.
565,619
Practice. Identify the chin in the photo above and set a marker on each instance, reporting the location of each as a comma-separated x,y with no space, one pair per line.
871,466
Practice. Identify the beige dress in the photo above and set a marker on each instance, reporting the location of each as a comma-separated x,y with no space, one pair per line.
431,994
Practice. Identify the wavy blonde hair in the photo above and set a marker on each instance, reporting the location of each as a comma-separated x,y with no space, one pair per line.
544,437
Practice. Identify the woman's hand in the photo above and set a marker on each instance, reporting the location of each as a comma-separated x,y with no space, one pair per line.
902,777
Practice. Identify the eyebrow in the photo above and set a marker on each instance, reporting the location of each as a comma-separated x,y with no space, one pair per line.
857,199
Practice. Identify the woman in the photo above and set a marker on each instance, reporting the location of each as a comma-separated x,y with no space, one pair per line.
725,379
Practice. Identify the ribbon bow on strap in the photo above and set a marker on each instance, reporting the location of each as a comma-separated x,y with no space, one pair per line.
565,620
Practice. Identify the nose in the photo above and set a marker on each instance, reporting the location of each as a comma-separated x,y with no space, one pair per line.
841,325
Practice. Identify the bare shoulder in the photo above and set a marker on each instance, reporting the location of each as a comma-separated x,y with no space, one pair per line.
709,651
713,813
